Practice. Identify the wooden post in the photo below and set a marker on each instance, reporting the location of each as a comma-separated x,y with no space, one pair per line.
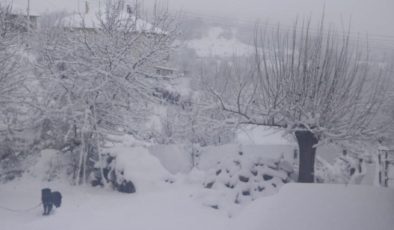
386,168
28,16
380,167
384,162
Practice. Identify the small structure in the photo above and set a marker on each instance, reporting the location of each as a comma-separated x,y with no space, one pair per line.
21,19
164,71
268,142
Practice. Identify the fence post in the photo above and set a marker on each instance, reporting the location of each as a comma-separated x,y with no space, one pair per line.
380,167
386,168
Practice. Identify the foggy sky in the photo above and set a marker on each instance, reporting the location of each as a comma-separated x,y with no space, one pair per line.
375,17
372,16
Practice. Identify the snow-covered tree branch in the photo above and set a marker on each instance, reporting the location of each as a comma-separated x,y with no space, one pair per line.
98,72
320,85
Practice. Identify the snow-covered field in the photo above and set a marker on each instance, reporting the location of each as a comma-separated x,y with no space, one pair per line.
296,206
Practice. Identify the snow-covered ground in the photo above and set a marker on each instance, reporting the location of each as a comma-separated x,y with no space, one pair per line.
90,208
169,196
295,207
321,206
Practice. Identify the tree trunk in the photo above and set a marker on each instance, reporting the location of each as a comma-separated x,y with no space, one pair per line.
306,141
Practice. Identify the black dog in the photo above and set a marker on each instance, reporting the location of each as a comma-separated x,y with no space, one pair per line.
49,199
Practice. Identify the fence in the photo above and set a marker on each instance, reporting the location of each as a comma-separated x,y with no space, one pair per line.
385,164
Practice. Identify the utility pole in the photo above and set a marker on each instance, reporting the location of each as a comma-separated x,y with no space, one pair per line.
28,16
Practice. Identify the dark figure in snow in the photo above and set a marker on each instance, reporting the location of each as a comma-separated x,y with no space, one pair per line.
56,198
126,187
49,199
46,200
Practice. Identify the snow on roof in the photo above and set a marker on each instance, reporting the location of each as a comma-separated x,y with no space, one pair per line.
77,18
91,20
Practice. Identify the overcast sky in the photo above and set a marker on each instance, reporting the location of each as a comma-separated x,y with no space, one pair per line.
373,16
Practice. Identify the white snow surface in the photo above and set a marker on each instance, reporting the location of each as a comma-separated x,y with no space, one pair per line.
321,206
295,207
89,208
164,201
215,45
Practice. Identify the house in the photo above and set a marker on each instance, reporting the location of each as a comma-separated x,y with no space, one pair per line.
91,19
19,20
165,71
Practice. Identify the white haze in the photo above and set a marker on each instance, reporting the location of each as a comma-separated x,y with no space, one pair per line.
367,16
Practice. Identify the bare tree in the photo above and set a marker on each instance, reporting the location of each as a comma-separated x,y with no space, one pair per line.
318,84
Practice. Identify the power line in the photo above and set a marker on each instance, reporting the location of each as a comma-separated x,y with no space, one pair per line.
226,21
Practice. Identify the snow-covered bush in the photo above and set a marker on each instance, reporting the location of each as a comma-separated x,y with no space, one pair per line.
109,174
248,178
346,169
130,169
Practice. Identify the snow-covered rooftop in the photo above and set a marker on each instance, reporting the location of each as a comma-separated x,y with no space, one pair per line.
80,13
92,20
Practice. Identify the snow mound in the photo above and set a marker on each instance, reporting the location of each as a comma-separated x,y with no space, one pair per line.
320,206
140,166
214,45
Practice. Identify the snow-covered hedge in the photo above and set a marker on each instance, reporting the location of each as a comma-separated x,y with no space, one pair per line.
241,177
